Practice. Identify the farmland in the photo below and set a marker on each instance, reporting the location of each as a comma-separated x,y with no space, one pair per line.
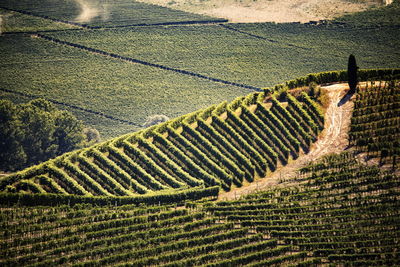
123,90
326,219
102,13
186,152
375,122
256,55
243,106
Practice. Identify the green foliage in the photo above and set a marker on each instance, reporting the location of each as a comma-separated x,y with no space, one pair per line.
12,154
92,135
36,131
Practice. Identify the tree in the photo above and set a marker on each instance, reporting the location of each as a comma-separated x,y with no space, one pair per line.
92,135
36,131
12,154
352,74
155,119
69,133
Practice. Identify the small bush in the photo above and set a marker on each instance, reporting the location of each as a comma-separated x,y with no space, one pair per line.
92,135
155,119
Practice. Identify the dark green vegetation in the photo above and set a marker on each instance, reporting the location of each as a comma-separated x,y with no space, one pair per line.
256,55
340,213
34,132
375,125
222,145
352,74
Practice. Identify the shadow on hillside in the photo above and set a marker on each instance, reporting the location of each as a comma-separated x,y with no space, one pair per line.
345,99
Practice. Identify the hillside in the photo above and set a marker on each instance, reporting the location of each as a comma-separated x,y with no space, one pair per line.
155,67
340,213
262,163
222,145
335,210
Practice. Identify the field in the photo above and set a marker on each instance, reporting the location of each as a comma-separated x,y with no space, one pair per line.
253,55
208,187
375,122
123,90
326,219
102,13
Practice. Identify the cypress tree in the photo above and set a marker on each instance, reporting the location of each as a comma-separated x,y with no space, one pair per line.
352,74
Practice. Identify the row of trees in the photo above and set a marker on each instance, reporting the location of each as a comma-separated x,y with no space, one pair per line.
36,131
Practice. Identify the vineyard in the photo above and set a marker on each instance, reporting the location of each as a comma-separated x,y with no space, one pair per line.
223,145
153,196
340,212
167,58
100,14
376,119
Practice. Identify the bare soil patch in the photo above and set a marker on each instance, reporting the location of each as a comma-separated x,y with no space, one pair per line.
333,139
270,10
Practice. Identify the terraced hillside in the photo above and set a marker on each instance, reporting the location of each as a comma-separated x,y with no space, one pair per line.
222,145
376,119
341,212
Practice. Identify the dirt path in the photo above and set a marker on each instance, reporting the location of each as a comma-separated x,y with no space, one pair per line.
334,138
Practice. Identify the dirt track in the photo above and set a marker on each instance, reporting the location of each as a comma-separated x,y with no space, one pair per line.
333,139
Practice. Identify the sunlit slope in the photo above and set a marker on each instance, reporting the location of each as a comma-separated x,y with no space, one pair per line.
341,213
223,145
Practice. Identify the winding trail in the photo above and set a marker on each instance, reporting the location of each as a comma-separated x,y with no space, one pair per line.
333,139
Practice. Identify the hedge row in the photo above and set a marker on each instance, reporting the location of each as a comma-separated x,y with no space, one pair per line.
59,199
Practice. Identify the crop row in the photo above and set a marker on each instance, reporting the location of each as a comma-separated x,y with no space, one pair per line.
218,146
316,221
375,122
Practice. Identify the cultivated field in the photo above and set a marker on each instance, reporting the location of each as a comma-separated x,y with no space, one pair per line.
340,213
217,57
243,175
